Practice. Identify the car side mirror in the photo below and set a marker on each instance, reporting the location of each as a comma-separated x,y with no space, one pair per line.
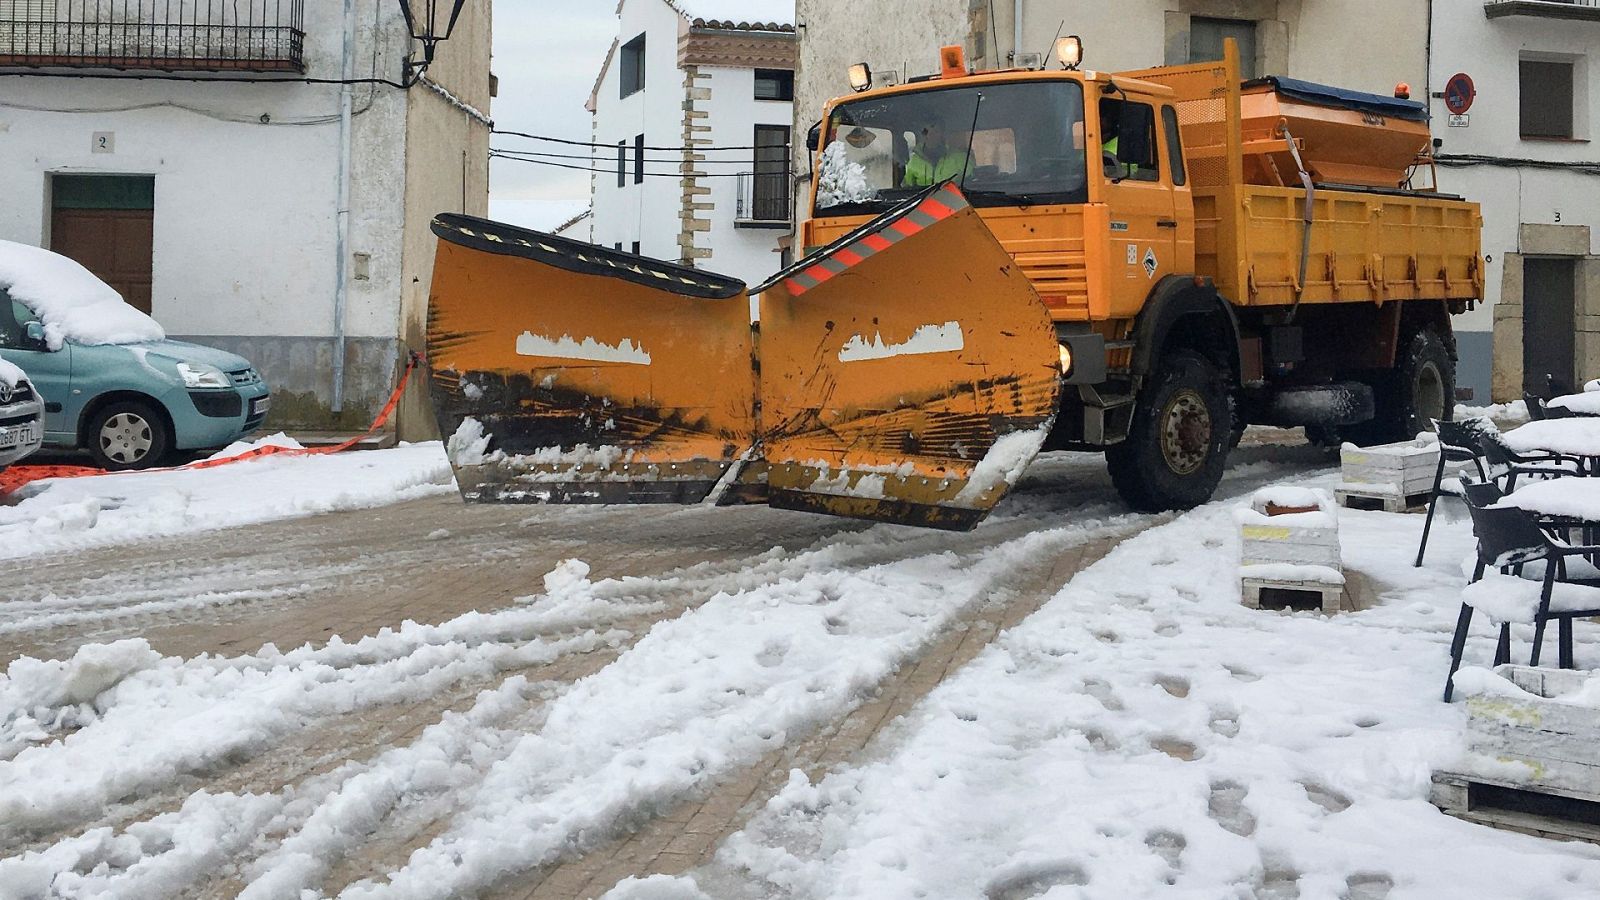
35,333
814,137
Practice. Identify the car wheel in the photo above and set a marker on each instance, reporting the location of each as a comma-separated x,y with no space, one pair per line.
128,435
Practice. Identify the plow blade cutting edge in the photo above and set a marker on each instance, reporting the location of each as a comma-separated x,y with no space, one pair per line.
563,372
909,372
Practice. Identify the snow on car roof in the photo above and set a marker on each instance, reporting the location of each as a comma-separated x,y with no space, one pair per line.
74,304
10,374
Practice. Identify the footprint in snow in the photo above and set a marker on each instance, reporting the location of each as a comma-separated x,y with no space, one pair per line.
1175,685
1176,748
836,625
773,653
1035,880
1367,886
1226,807
1278,882
1168,629
1241,673
1107,637
1169,845
1225,722
1102,692
1329,799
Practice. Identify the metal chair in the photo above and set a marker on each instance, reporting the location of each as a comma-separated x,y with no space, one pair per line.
1513,464
1536,411
1509,539
1458,443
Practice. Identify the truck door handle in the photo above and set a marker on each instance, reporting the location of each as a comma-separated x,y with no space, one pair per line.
1166,223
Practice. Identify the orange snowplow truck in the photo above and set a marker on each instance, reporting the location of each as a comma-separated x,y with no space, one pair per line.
997,263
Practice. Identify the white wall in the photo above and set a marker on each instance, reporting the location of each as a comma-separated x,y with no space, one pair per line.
750,254
646,212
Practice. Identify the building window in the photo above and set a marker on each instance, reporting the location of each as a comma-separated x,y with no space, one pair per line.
774,84
1546,99
622,163
632,62
769,198
638,159
1206,37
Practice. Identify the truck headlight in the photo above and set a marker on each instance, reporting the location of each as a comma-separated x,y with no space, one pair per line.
200,375
1066,360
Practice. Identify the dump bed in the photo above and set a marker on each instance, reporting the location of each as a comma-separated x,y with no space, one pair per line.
1252,147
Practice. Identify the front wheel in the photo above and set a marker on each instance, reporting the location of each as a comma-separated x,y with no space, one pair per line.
1177,443
128,435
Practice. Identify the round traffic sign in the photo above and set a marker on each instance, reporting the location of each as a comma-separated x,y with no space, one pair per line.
1459,93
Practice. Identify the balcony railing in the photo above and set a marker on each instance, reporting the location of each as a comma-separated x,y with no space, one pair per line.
1552,9
763,200
196,35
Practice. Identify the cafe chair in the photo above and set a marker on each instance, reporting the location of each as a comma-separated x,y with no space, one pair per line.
1508,465
1510,541
1458,442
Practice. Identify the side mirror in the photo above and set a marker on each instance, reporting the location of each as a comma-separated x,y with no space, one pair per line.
35,333
814,137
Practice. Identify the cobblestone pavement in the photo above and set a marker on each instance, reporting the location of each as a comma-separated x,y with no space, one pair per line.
354,573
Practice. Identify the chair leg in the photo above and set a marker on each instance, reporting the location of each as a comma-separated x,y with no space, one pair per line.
1564,642
1433,504
1458,643
1502,647
1538,642
1541,616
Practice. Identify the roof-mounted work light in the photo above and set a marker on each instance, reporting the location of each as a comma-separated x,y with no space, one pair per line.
430,22
1069,51
860,77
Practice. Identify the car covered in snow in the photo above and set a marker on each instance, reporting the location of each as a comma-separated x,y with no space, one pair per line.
111,382
21,415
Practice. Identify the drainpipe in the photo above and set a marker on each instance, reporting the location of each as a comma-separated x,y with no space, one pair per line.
1016,37
341,289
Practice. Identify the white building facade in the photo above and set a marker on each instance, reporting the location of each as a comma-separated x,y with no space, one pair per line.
692,126
1523,147
181,151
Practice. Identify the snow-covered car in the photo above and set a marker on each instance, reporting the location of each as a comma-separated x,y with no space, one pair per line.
111,382
21,415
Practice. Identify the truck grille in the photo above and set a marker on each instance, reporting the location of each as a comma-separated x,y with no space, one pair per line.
22,391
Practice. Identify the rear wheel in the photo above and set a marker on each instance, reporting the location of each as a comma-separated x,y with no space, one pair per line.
1177,443
1421,388
128,435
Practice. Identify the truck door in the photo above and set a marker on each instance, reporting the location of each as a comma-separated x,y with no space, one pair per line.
1144,220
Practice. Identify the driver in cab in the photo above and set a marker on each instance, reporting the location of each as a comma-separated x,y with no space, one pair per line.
936,158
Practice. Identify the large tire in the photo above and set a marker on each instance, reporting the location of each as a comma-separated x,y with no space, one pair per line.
1421,387
127,435
1177,444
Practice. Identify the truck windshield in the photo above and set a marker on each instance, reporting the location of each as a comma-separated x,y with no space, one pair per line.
1005,144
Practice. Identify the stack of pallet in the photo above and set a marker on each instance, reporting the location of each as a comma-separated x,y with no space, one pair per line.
1533,752
1289,551
1390,477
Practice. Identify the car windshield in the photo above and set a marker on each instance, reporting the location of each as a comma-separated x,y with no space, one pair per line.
1005,144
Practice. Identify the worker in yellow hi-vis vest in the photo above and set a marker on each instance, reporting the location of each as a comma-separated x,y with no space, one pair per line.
936,158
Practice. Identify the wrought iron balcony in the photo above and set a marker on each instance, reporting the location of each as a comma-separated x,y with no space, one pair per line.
194,35
763,200
1551,9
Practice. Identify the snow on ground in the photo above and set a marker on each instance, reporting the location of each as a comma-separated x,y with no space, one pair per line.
1144,734
78,513
72,302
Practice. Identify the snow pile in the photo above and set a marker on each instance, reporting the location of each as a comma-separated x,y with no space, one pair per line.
841,180
76,513
10,373
469,446
73,304
1574,436
1506,415
239,448
1003,464
752,12
1506,598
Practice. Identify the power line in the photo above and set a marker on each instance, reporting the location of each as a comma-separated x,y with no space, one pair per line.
513,157
696,149
601,157
213,79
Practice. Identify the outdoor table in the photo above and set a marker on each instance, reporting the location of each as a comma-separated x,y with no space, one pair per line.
1567,499
1578,438
1584,404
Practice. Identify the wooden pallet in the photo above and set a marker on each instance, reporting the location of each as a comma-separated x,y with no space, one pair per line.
1530,809
1261,593
1352,499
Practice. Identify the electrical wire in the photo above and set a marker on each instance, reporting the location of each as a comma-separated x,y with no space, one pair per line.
212,79
601,157
1465,160
571,143
210,114
514,157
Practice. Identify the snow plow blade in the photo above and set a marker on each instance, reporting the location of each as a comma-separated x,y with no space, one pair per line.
564,372
909,371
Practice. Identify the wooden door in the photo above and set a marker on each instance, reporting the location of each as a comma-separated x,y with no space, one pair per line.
1549,288
107,224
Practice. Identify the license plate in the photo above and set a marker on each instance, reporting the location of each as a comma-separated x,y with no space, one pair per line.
17,435
260,405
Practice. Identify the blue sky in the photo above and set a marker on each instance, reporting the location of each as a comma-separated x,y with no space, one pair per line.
547,54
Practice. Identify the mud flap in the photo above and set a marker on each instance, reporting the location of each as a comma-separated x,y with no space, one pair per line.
909,372
563,372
